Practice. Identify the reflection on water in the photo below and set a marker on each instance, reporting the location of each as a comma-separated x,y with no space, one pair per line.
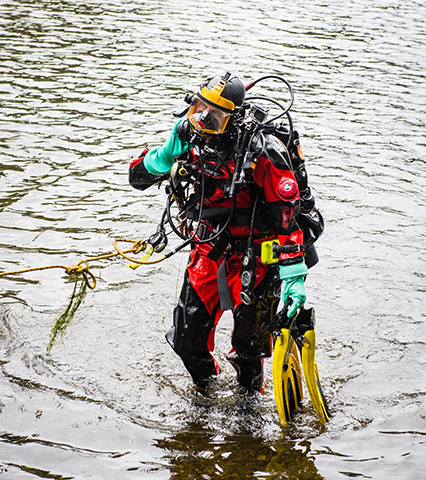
209,455
83,88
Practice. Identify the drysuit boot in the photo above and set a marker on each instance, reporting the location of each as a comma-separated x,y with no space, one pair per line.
249,371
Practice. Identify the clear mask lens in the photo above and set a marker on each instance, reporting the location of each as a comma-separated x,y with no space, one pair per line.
208,119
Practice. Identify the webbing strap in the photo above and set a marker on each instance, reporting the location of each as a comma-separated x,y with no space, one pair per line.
223,288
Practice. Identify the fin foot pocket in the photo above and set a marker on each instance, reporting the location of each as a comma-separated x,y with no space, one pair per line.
312,380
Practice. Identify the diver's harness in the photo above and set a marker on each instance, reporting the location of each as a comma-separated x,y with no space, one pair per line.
249,122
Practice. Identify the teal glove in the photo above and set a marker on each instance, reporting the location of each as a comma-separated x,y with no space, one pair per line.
159,160
294,286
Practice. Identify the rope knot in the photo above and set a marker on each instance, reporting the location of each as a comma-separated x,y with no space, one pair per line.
76,269
83,269
139,246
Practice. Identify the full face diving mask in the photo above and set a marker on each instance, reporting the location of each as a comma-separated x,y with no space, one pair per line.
206,118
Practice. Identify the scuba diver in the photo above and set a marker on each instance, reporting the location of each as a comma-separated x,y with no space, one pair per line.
247,212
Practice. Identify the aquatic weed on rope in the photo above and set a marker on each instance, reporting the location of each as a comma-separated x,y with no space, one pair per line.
84,279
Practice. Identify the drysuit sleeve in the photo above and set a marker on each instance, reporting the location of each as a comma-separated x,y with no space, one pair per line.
282,196
152,164
139,177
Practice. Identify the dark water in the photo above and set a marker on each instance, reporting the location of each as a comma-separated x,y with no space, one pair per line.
84,86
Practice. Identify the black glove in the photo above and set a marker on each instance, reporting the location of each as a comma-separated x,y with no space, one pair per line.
184,131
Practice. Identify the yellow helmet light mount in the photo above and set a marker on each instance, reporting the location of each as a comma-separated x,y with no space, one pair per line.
214,98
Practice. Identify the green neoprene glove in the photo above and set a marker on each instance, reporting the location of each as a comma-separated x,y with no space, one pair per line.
159,160
294,286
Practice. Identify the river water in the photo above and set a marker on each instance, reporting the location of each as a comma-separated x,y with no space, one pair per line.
84,87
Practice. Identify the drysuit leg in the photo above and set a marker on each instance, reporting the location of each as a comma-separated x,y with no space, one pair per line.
251,339
191,336
248,350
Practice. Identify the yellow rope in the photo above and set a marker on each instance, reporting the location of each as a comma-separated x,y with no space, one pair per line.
137,248
81,267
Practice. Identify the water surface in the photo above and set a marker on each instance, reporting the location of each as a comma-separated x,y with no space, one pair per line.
84,87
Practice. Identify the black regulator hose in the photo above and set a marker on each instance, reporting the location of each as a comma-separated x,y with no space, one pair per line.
169,213
285,108
188,240
276,77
